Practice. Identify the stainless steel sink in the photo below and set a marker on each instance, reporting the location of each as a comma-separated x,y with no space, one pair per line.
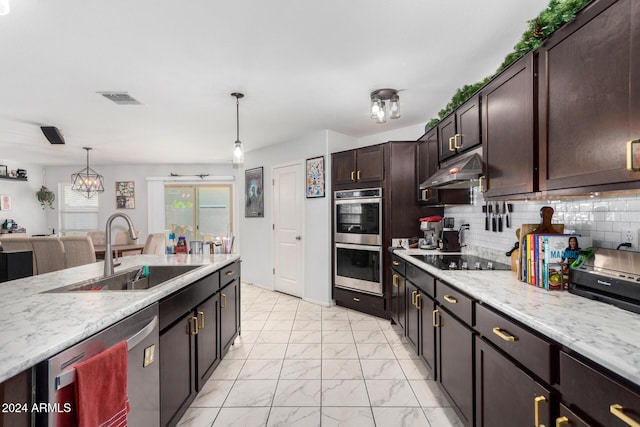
129,280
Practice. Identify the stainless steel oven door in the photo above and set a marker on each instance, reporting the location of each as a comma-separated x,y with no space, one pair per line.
358,221
359,268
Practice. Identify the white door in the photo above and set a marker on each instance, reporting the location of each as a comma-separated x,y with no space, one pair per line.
288,215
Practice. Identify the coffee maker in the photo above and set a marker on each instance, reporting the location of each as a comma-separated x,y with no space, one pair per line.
431,226
450,238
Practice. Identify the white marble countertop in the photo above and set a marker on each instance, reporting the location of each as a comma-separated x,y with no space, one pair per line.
605,334
35,325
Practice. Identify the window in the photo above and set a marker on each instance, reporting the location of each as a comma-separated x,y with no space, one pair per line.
76,213
205,209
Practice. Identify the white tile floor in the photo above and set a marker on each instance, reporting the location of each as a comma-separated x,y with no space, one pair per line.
300,364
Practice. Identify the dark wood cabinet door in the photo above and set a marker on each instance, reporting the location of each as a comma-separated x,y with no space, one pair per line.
505,394
412,326
229,320
370,163
455,364
398,285
428,325
446,134
427,166
588,108
468,125
207,349
177,368
508,130
343,166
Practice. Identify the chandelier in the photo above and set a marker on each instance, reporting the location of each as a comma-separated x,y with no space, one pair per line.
87,181
379,99
238,154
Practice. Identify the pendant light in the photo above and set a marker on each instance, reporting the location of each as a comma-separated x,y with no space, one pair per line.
87,181
238,153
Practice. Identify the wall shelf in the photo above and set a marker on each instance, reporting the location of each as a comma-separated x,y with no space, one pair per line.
13,179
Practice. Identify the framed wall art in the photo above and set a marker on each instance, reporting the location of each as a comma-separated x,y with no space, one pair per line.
125,195
5,202
3,170
315,177
253,193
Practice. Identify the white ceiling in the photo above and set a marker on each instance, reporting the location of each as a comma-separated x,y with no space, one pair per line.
303,65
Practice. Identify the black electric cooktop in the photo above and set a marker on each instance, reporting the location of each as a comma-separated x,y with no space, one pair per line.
461,262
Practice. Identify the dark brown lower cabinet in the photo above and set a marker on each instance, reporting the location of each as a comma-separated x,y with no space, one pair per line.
568,418
455,364
427,342
229,315
207,349
507,396
412,327
16,391
398,292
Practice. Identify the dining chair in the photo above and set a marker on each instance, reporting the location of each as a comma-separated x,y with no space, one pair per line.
98,238
78,250
123,238
154,244
18,242
49,254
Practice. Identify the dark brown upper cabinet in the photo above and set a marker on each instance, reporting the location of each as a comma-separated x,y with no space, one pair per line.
589,98
364,165
508,130
460,131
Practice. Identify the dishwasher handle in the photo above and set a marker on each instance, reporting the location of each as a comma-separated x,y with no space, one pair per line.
69,377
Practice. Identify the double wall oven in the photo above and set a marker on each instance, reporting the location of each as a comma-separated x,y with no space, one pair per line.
358,240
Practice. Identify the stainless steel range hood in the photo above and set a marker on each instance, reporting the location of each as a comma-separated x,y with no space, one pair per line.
462,172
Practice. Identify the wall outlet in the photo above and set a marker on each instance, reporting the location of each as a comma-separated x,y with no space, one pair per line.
630,235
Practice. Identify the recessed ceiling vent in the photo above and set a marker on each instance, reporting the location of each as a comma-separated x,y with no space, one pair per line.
120,98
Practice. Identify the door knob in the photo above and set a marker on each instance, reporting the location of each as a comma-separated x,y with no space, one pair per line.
298,237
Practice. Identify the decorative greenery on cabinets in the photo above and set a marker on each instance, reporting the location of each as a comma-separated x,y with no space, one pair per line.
45,197
557,13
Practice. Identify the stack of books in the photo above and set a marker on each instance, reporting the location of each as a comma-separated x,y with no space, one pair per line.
546,258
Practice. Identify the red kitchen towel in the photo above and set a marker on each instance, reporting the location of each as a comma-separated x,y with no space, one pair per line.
101,389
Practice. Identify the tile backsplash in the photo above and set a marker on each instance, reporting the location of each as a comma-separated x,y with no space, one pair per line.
605,217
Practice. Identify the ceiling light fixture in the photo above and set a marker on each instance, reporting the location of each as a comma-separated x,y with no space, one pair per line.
379,106
238,153
4,7
87,181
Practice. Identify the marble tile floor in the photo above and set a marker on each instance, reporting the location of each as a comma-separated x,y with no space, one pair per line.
301,364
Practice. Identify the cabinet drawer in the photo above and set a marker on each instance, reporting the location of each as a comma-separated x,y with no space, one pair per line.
398,264
229,273
365,303
595,393
422,279
455,302
525,347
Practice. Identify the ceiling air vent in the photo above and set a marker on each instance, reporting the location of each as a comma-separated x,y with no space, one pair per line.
120,98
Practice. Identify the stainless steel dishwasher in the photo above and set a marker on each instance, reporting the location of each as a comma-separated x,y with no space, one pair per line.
140,330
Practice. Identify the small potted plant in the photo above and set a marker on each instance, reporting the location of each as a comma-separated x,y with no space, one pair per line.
45,197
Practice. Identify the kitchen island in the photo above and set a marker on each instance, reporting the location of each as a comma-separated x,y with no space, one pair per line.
37,325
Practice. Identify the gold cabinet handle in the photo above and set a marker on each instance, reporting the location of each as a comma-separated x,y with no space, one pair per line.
501,334
201,316
536,410
560,421
481,184
455,140
632,164
418,306
224,301
194,323
358,175
451,144
618,411
433,318
449,298
413,298
394,280
230,273
396,263
353,176
356,299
